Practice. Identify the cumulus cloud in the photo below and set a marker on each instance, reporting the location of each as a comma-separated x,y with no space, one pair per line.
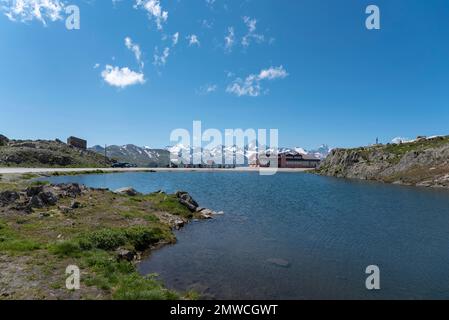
121,77
28,10
251,35
251,85
154,10
161,59
229,39
135,48
273,73
193,40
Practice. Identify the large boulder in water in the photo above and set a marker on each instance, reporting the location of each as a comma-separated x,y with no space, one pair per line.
186,199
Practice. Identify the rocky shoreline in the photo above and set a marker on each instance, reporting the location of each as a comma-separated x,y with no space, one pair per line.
423,163
45,227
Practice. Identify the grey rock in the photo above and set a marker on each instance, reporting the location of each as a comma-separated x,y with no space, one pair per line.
71,190
125,255
36,202
75,204
34,190
65,209
206,214
127,191
48,198
189,205
178,224
186,199
8,197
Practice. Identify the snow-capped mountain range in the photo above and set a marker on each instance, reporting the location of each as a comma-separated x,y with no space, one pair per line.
149,157
141,156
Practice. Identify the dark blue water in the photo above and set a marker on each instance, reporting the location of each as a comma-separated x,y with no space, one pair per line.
328,230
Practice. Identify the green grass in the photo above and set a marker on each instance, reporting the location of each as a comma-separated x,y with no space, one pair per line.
95,251
29,176
91,236
165,202
139,238
399,150
136,287
81,172
40,183
12,242
121,279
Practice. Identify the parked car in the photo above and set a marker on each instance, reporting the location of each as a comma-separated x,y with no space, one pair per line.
123,165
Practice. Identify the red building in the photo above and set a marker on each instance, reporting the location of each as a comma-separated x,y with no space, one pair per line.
289,160
297,160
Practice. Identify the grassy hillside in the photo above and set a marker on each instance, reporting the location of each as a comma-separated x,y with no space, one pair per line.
43,153
424,162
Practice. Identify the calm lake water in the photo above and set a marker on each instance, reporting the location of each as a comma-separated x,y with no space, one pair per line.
326,230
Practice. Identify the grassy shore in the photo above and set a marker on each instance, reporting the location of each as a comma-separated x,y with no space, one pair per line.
36,247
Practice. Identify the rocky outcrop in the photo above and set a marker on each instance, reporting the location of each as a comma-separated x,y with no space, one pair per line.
126,255
424,162
8,197
186,200
38,197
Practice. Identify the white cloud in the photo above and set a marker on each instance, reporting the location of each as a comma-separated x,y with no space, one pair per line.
273,73
161,59
96,66
28,10
251,24
175,39
121,77
135,48
193,40
230,39
154,10
207,24
251,85
210,3
207,89
229,74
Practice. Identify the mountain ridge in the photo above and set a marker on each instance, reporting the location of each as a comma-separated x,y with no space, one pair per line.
149,157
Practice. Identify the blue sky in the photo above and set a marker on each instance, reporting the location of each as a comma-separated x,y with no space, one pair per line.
309,68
